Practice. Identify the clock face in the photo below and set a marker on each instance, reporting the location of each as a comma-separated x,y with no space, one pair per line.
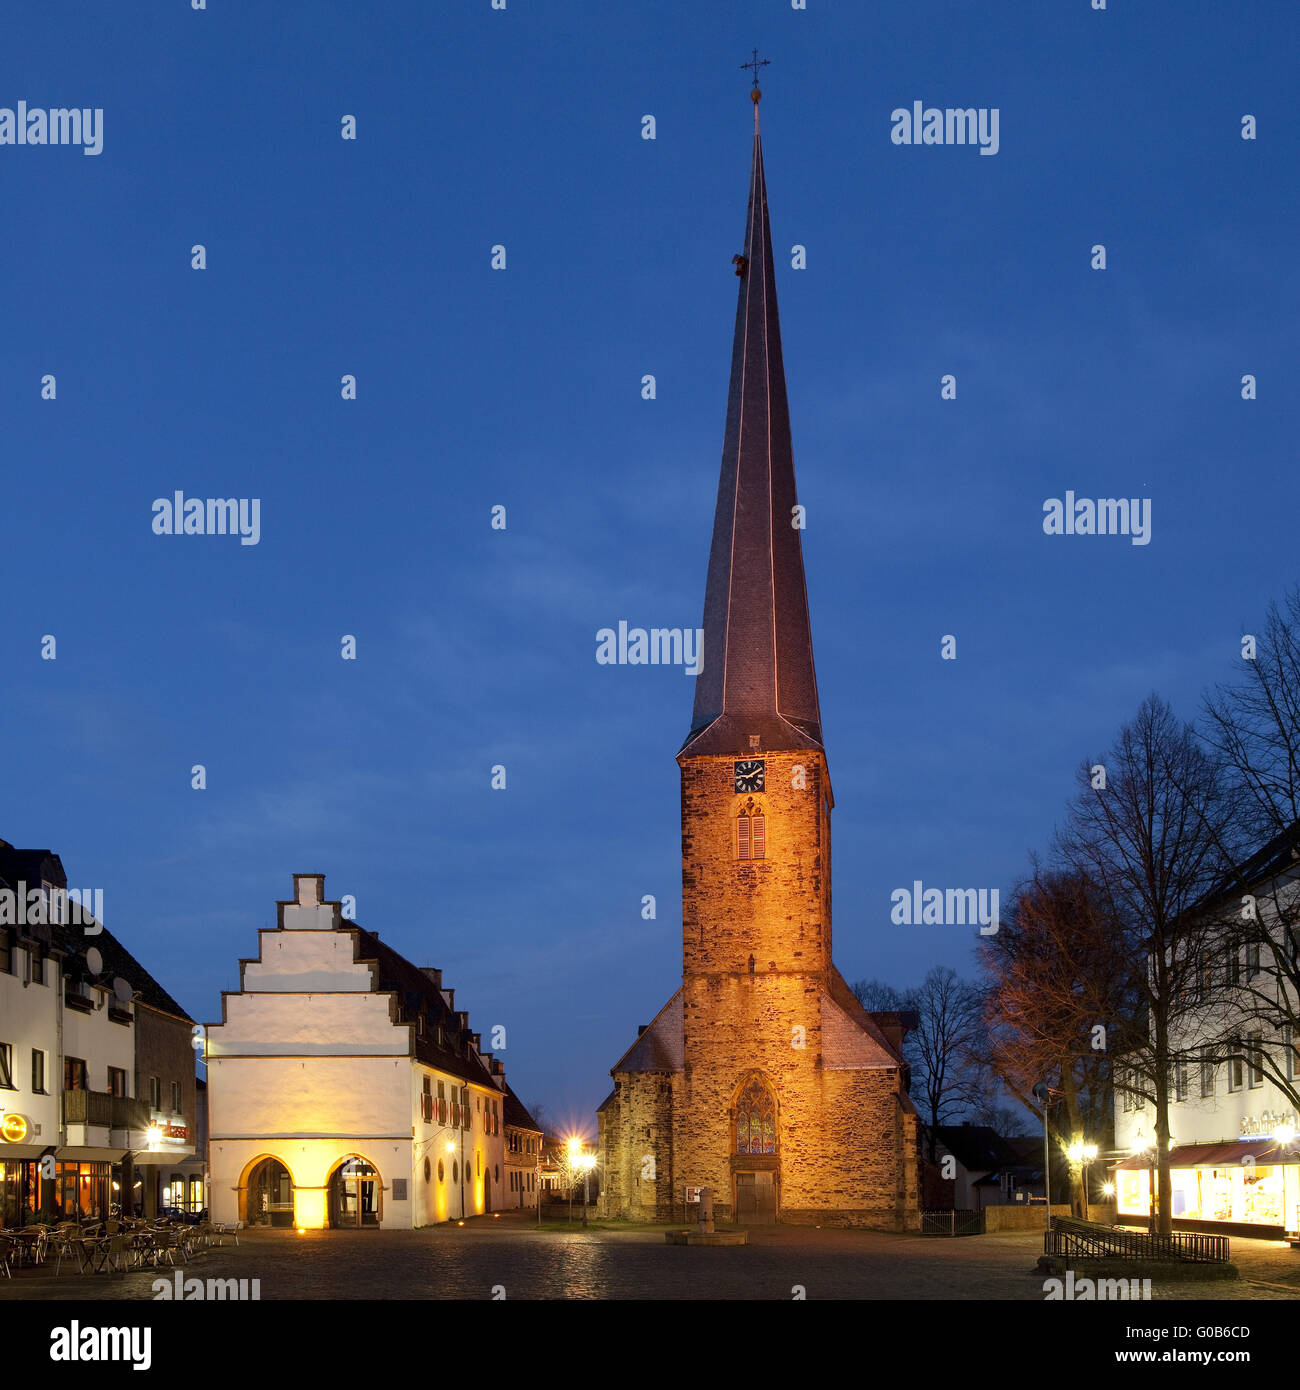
749,776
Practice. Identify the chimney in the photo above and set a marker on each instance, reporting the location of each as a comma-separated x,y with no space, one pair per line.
434,975
309,889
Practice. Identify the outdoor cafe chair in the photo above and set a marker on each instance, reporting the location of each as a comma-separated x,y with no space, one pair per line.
165,1246
30,1244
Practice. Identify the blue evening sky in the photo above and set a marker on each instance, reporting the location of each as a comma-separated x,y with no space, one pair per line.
522,388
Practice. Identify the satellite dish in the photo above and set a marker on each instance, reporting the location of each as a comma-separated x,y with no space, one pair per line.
123,991
94,961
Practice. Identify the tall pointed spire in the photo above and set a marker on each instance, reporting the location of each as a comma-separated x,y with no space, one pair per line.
757,678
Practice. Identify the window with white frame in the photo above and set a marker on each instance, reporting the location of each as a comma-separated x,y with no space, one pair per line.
1208,1070
1256,1053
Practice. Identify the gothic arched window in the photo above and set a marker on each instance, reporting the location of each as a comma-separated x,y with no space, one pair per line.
755,1119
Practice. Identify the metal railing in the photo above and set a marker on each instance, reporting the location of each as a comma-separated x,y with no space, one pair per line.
952,1223
1088,1240
103,1108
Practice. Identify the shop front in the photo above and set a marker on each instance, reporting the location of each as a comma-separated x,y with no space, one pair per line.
21,1199
1245,1187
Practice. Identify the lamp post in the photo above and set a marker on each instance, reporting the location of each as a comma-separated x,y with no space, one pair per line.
588,1162
1043,1094
575,1158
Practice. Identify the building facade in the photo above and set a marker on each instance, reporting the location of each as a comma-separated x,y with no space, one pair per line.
523,1152
344,1087
97,1080
762,1078
1234,1123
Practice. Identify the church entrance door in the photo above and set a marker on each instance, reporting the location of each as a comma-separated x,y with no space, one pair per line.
755,1199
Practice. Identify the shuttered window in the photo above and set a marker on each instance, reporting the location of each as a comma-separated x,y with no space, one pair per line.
751,836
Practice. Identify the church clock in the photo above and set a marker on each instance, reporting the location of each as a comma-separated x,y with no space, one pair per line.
749,776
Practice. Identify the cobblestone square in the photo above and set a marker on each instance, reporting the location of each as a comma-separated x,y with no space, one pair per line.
491,1257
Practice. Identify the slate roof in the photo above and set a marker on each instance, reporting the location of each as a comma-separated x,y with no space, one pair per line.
417,994
31,866
515,1114
757,676
978,1148
1273,859
850,1037
662,1045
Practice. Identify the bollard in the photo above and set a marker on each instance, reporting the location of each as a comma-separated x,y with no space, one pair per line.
706,1210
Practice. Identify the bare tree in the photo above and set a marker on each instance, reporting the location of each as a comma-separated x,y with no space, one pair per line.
878,997
946,1050
1059,994
1146,829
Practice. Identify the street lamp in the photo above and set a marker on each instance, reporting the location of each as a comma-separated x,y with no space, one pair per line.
587,1163
575,1158
1043,1094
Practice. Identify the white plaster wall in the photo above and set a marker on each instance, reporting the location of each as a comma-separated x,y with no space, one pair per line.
306,960
100,1042
28,1019
307,917
308,1025
1214,1119
277,1096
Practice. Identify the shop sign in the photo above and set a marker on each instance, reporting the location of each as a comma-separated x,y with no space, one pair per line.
1267,1121
14,1128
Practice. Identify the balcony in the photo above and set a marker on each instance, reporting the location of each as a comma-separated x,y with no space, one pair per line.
102,1108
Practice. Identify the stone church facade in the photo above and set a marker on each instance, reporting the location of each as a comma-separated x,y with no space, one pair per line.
762,1078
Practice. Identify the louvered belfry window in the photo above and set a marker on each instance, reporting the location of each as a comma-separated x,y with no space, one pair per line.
751,834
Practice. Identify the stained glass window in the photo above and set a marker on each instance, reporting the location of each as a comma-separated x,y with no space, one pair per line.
755,1119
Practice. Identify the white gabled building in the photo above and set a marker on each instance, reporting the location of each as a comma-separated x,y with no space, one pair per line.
96,1065
344,1087
1235,1154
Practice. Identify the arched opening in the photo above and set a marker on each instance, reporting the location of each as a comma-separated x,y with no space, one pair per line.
266,1198
355,1194
755,1162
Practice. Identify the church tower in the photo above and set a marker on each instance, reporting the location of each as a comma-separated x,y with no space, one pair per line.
762,1078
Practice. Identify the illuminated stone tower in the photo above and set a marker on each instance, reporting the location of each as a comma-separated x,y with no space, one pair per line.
762,1078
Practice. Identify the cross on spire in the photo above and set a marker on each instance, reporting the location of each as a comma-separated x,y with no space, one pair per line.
756,62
